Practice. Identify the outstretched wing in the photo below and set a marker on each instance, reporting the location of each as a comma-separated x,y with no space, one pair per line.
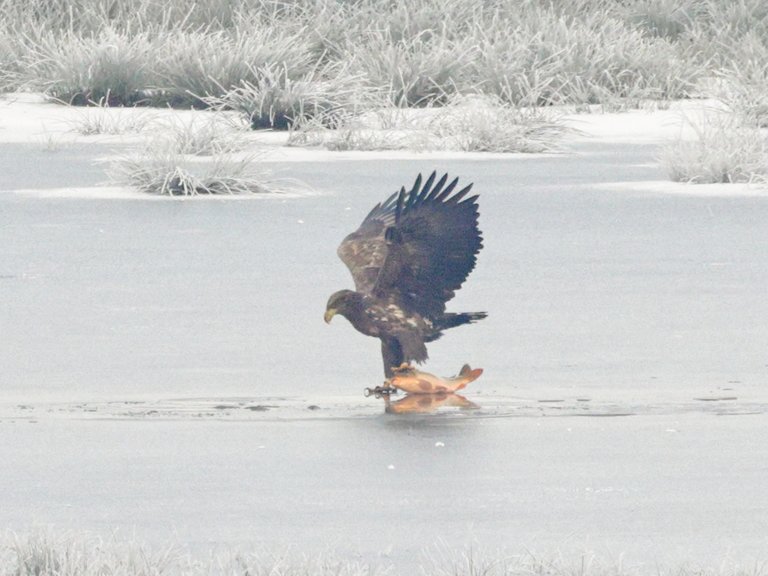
365,249
431,243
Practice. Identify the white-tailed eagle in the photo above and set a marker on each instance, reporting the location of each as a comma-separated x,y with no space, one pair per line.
408,258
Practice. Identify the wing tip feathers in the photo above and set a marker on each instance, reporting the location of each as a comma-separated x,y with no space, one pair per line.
423,192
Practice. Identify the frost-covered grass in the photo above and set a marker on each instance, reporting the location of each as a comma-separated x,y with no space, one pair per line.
49,554
743,84
200,64
418,52
724,150
112,121
314,65
161,170
488,124
279,98
192,133
109,67
208,135
465,124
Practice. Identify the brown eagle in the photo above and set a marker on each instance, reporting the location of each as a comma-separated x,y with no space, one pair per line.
408,258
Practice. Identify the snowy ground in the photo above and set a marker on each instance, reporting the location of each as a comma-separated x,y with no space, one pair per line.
166,370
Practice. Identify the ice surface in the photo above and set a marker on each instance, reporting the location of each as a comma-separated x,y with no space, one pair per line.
380,489
165,367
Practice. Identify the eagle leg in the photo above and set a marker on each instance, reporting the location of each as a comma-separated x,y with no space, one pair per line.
392,354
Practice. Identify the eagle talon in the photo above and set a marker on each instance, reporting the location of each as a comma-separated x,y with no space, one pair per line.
380,391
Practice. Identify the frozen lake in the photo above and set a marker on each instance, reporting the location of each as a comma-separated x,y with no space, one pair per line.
165,368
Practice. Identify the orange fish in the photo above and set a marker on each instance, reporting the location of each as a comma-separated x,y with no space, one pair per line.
413,381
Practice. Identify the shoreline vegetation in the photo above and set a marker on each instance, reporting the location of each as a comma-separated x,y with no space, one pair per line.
407,75
44,553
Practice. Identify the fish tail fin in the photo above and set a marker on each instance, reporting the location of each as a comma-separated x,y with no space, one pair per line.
470,374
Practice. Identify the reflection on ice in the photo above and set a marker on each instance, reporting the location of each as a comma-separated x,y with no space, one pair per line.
427,403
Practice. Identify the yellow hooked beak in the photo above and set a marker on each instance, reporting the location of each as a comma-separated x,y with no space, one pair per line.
330,313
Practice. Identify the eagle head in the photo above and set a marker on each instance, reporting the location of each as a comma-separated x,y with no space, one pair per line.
343,302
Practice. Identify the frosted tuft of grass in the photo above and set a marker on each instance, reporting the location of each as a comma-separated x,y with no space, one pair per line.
669,19
201,64
724,150
743,83
359,137
111,121
487,124
279,99
466,123
160,170
422,70
10,71
108,68
540,56
208,135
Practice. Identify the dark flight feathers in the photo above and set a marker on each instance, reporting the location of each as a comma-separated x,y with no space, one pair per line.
417,247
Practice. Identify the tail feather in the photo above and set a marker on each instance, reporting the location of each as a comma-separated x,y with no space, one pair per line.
451,320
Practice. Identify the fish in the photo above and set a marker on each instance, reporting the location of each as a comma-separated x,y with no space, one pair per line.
414,381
